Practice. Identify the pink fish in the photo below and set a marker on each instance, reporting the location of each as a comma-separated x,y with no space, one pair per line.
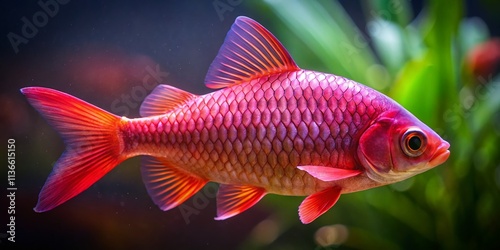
271,128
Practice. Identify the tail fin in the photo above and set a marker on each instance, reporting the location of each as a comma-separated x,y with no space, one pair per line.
91,137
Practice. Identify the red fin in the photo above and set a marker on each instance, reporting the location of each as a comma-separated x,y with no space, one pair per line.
317,204
249,51
168,186
93,146
164,98
329,173
234,199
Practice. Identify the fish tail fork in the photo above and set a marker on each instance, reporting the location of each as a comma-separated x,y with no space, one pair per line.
93,145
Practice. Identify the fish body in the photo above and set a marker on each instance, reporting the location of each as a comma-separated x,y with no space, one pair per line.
271,128
257,133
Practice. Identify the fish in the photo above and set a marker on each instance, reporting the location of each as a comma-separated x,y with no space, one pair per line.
269,127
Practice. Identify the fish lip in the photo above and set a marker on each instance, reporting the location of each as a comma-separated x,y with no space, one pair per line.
441,155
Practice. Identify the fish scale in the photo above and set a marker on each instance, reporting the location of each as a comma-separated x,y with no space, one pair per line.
271,127
256,133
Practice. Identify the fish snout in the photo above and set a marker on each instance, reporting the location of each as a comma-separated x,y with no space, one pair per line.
441,154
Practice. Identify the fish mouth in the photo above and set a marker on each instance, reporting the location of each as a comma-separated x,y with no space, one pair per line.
441,155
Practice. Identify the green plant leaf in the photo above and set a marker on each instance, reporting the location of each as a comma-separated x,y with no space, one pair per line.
330,34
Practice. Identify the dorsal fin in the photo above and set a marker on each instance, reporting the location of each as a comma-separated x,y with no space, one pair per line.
249,51
164,98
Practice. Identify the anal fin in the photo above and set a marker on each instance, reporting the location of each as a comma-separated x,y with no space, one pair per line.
234,199
318,203
168,186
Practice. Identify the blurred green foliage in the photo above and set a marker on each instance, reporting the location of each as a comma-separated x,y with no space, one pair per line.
421,62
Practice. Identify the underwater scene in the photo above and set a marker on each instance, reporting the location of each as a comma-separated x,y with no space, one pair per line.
238,124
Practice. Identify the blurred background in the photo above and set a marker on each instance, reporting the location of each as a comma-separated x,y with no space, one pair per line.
438,59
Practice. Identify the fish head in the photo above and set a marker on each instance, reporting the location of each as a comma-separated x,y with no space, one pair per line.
397,146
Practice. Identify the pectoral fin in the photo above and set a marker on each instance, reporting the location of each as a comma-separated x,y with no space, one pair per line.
329,173
318,203
234,199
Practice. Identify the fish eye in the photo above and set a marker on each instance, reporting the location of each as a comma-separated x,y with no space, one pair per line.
413,142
